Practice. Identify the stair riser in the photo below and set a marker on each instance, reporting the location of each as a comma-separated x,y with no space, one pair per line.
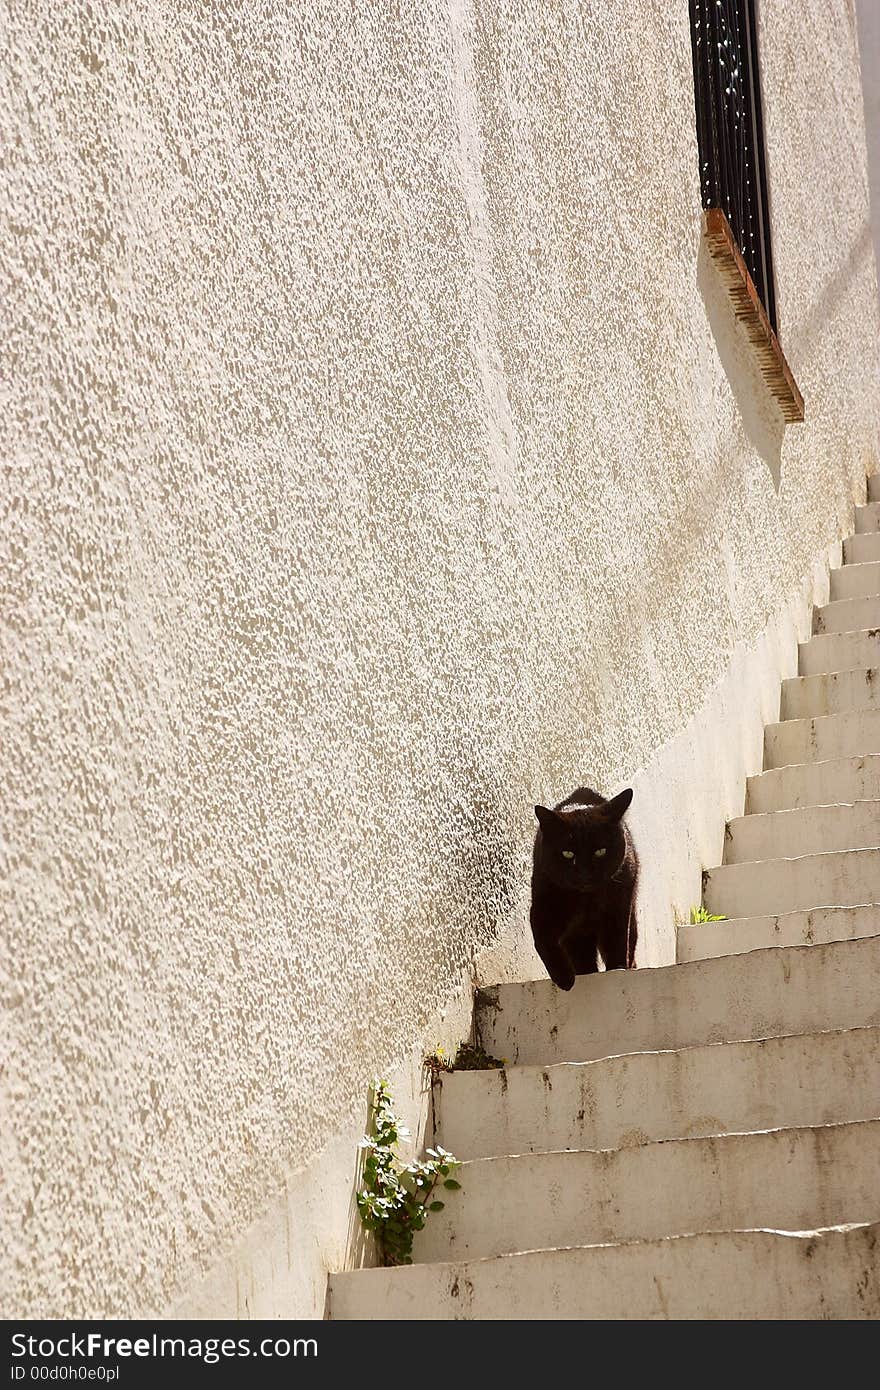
839,651
738,1275
790,1180
811,830
874,488
820,740
814,784
807,1079
711,939
848,615
861,550
855,581
808,697
794,885
762,995
868,519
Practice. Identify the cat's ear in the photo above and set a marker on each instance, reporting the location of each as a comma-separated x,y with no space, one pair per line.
547,818
614,809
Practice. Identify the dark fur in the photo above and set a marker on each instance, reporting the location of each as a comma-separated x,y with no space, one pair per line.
584,905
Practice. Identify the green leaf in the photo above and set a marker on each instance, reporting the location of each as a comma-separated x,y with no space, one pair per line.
452,1185
436,1206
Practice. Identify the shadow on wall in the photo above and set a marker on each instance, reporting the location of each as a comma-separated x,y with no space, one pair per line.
837,287
763,424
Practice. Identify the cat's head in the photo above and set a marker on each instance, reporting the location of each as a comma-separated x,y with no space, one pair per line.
583,847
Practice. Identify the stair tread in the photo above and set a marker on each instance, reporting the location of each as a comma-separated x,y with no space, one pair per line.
818,737
789,989
863,1123
748,1273
740,935
809,784
861,549
837,825
775,1176
830,692
843,615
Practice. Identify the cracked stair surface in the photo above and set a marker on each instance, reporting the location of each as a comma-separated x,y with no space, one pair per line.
862,550
805,830
638,1097
853,734
815,784
841,878
798,989
839,651
835,692
855,581
848,615
784,1179
736,935
747,1275
699,1140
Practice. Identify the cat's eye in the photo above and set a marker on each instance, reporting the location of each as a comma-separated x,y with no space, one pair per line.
600,852
569,853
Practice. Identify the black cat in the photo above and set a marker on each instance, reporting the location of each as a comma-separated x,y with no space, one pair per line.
584,883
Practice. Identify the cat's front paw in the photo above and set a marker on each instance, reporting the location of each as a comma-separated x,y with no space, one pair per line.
563,981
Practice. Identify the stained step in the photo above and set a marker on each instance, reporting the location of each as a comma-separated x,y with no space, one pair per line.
804,697
615,1102
848,615
839,651
807,830
734,1275
799,989
738,934
814,784
853,734
868,518
862,550
784,1179
874,488
843,878
855,581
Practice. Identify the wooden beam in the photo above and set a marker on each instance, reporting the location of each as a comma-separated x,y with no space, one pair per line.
750,311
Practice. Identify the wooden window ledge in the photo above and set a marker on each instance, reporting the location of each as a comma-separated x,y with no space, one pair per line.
750,311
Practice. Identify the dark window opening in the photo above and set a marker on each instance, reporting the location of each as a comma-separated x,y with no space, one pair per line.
730,131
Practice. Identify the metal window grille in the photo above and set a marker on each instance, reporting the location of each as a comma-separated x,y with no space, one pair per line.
730,131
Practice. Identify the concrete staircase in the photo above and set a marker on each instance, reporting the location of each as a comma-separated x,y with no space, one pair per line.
703,1140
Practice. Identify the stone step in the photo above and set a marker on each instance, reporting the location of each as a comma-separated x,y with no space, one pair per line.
848,615
874,488
807,830
735,935
803,697
861,550
855,581
799,989
868,518
784,1179
734,1275
839,651
814,784
851,735
636,1098
842,878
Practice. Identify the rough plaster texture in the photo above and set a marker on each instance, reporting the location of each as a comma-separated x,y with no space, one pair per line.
868,15
380,458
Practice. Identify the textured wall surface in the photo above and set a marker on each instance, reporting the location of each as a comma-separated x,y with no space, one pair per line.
868,15
379,458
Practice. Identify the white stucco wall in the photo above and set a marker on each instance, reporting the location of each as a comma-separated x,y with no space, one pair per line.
868,16
380,458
